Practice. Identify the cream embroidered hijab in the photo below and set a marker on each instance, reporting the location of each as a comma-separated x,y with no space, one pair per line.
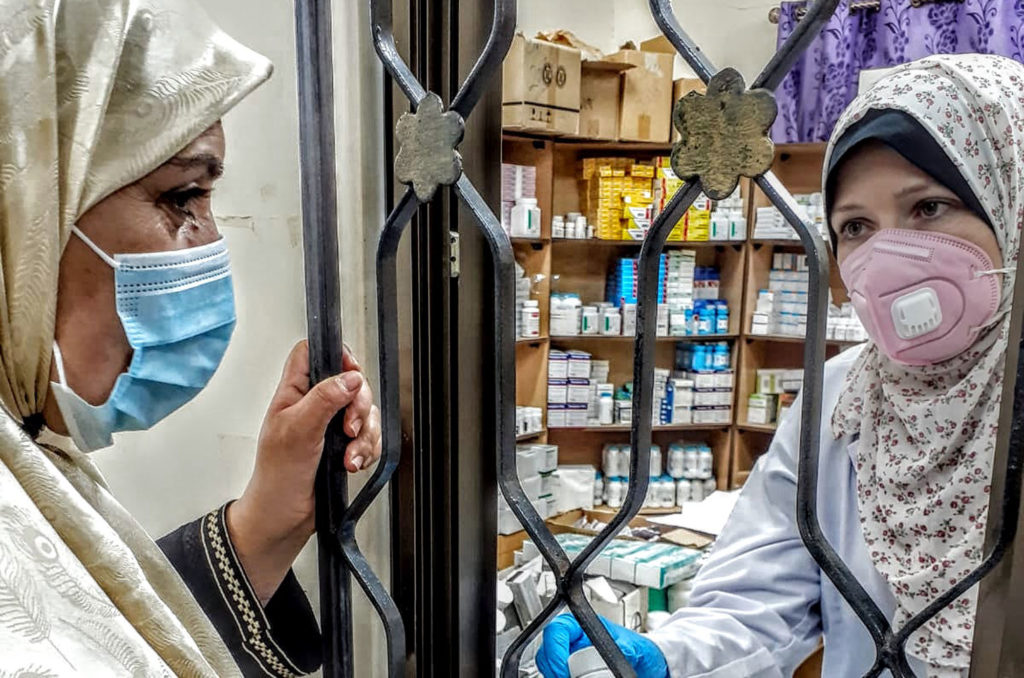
927,435
94,94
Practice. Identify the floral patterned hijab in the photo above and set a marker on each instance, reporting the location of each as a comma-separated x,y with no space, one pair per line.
927,435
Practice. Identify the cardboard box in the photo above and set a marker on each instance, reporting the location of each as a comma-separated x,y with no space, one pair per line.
601,99
563,524
646,111
628,610
680,88
541,87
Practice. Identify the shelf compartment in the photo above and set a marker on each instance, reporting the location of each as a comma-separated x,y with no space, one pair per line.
675,244
757,428
584,338
786,339
582,144
626,428
531,436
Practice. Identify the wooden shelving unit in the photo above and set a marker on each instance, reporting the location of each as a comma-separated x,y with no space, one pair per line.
581,266
527,437
798,166
571,243
586,338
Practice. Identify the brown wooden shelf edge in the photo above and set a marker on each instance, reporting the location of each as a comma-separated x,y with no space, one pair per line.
583,143
532,340
675,244
786,339
620,337
621,428
757,428
530,436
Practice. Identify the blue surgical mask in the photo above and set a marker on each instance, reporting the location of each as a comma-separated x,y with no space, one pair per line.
178,312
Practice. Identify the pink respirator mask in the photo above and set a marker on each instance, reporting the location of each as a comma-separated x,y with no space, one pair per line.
923,297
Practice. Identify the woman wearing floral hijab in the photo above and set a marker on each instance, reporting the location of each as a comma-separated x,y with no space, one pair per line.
925,195
116,306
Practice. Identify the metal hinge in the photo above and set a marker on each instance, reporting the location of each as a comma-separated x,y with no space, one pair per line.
453,254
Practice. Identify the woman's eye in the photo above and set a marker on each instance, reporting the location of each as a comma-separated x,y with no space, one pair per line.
853,229
930,209
183,200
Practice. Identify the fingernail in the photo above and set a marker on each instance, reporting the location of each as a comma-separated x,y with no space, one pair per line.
357,425
358,462
351,380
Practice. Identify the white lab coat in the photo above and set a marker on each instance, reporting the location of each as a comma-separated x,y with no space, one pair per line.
760,605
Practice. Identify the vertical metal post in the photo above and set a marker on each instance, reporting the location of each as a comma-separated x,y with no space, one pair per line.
323,314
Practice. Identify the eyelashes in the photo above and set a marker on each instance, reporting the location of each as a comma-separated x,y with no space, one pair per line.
184,200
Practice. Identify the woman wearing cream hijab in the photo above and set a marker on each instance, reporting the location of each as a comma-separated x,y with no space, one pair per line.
116,307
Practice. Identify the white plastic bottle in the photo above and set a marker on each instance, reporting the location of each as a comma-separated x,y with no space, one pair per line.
581,227
605,410
615,490
705,463
668,492
683,492
676,461
612,324
531,319
526,219
612,464
558,227
710,485
737,225
655,461
590,320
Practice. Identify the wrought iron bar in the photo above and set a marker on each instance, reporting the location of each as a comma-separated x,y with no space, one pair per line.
391,445
806,31
692,54
499,40
323,313
435,130
992,622
811,533
382,29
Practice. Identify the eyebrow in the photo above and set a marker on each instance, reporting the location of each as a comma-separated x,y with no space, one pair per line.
213,164
912,189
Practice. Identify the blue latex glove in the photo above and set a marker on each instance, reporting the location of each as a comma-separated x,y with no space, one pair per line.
563,636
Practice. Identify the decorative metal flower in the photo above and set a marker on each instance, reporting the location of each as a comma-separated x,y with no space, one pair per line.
724,134
427,139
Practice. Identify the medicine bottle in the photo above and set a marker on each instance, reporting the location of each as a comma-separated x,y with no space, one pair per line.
558,227
605,410
683,489
615,490
531,319
612,322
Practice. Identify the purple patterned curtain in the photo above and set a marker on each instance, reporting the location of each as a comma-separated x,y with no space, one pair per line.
825,79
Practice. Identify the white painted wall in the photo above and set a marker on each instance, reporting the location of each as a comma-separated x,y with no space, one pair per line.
202,455
732,32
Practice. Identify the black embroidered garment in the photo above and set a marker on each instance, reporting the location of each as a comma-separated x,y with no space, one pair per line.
281,639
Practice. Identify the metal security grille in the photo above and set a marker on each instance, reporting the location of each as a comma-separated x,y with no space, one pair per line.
428,137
